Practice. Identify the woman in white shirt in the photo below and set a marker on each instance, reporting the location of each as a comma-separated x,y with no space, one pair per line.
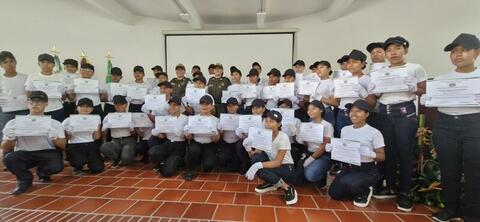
137,103
227,154
253,79
324,91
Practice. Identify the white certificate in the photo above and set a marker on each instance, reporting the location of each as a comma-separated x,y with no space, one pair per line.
346,87
288,115
247,121
249,91
389,80
269,92
155,102
120,120
84,123
13,103
118,89
194,94
235,88
346,151
32,125
285,90
141,120
166,124
136,92
200,125
52,89
229,121
261,138
453,93
307,87
311,132
226,94
88,86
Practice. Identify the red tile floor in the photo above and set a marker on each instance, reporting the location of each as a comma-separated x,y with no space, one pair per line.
136,193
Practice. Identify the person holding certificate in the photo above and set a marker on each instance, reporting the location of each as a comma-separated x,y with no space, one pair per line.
86,72
297,100
24,152
202,147
13,97
116,77
275,165
396,118
161,77
81,148
215,87
355,182
227,154
166,89
317,161
456,136
70,66
271,98
144,134
324,91
253,79
121,149
51,84
377,55
168,155
192,107
236,86
137,103
291,127
180,82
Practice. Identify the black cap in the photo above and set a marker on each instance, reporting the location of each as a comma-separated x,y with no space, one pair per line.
287,101
138,69
256,64
46,57
211,66
218,65
360,103
232,100
88,66
119,99
116,71
274,72
161,74
318,104
157,67
275,115
324,63
289,72
343,59
166,84
311,67
196,67
235,69
175,100
72,62
200,78
399,40
467,41
180,66
197,73
85,102
206,99
258,103
299,63
38,95
252,72
374,45
357,55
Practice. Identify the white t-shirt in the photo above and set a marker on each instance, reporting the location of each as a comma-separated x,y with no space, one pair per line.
33,143
281,142
206,138
94,97
414,70
118,132
325,88
53,103
459,110
327,132
229,136
178,136
13,86
365,83
367,136
291,132
196,106
77,137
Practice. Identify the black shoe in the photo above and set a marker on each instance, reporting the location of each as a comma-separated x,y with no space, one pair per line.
21,188
189,176
336,169
363,200
77,172
115,164
404,203
45,180
384,193
291,195
265,187
444,216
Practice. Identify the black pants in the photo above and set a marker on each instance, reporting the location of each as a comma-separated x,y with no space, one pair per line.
79,154
58,114
69,108
353,181
141,148
135,108
373,121
273,175
457,141
198,152
398,124
297,151
243,156
108,108
48,162
171,154
227,156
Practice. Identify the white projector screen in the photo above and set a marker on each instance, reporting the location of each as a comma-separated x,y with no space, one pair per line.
271,50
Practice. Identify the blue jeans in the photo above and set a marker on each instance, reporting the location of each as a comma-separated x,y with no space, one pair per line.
7,116
317,170
273,175
342,120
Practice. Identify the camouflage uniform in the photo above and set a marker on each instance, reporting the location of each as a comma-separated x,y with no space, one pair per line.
179,86
215,87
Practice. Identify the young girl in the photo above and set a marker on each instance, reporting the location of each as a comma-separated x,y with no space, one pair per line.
253,78
116,77
274,167
355,182
273,79
227,154
136,104
193,107
324,91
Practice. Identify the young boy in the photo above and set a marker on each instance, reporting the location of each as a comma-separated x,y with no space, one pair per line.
254,79
121,149
273,79
25,152
137,103
227,154
180,82
71,67
161,78
202,147
81,148
377,55
86,72
169,155
342,62
216,85
116,77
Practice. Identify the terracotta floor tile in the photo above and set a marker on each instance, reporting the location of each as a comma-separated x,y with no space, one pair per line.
96,192
89,205
351,216
62,204
192,185
219,186
127,182
148,183
75,190
172,184
221,197
121,192
148,174
286,215
305,201
115,207
11,201
143,208
350,206
145,194
171,195
50,189
105,181
200,211
229,212
325,202
171,209
228,177
321,215
236,187
260,214
247,198
85,180
414,218
111,173
273,200
380,217
207,177
196,196
36,202
130,173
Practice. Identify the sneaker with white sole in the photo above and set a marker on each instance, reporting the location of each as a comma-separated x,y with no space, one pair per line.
265,187
363,200
291,195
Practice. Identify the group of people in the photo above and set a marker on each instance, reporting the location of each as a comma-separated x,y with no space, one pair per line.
382,125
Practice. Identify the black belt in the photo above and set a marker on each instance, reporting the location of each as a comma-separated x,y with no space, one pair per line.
465,116
403,107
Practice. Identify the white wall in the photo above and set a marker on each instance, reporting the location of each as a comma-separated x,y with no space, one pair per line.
30,27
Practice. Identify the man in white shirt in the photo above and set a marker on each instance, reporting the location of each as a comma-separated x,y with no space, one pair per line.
377,55
71,67
25,152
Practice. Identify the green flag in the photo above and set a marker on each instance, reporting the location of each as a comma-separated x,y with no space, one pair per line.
58,64
108,78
